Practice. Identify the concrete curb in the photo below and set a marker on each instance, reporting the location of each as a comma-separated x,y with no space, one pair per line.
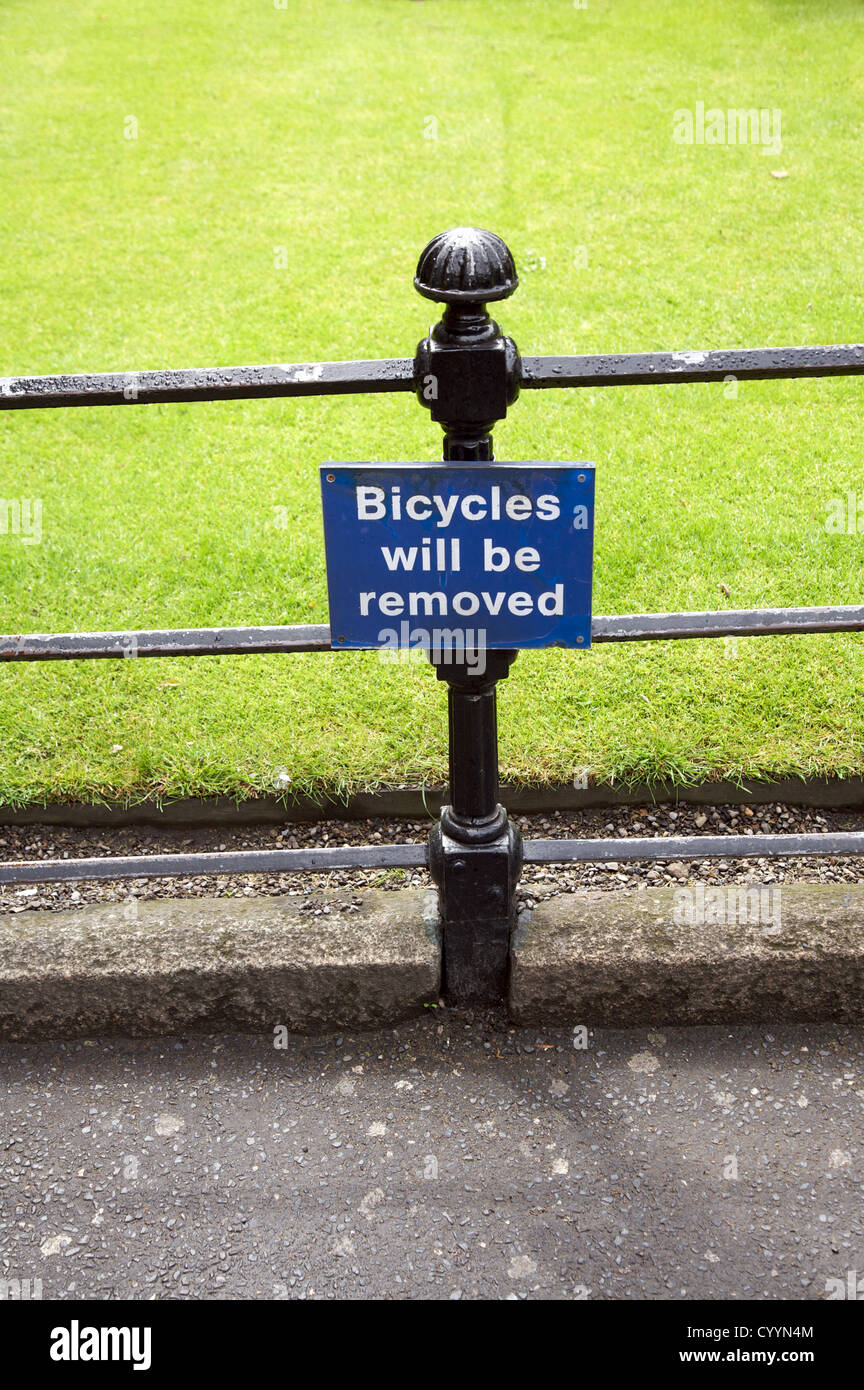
419,802
627,960
207,964
793,953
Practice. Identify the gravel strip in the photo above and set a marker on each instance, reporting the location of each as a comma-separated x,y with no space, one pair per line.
315,890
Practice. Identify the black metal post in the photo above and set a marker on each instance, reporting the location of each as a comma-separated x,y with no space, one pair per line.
466,374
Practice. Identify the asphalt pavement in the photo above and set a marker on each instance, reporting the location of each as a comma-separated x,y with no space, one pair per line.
455,1157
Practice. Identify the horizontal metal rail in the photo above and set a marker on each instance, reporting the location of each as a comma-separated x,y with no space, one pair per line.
397,374
201,641
208,384
287,861
238,641
666,368
257,861
731,622
696,847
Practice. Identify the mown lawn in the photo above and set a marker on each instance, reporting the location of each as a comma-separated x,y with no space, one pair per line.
271,207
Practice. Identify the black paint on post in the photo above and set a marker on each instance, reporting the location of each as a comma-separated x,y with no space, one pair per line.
475,851
477,887
466,374
474,814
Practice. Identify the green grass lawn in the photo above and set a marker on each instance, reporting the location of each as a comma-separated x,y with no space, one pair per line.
272,206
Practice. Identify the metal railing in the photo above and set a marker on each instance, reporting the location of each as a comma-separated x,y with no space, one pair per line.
475,852
272,641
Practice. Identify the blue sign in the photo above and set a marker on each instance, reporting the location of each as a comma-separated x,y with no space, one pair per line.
449,556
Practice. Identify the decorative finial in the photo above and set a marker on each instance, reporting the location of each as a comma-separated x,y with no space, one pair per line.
466,265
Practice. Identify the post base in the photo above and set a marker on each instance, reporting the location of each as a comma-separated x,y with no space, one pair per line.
477,887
